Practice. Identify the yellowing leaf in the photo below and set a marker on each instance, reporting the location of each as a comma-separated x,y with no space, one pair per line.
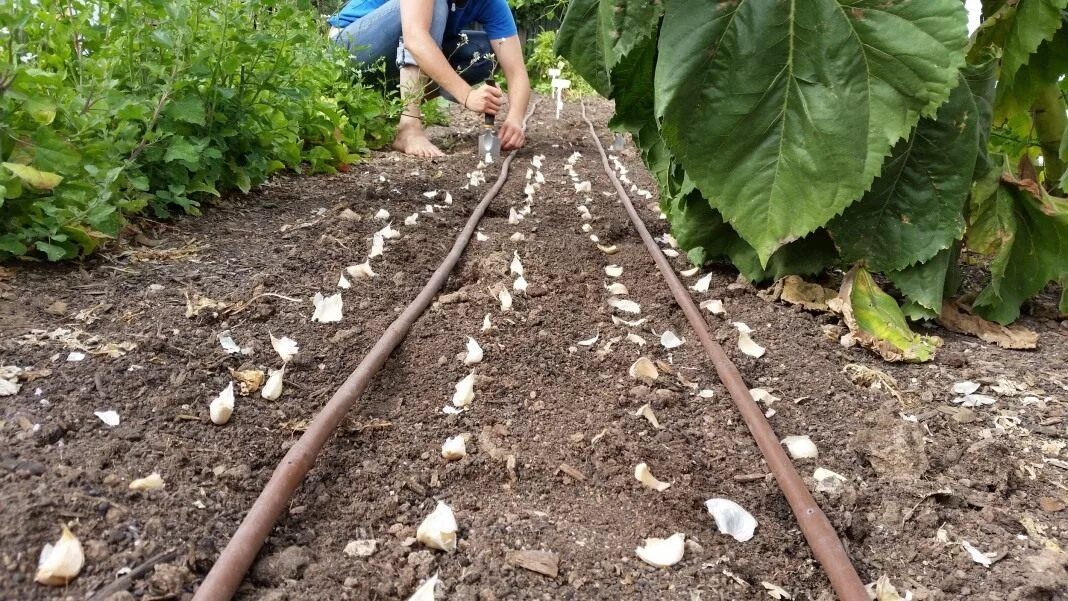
876,321
35,178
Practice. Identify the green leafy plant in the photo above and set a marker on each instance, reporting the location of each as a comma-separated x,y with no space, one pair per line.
542,57
111,107
790,137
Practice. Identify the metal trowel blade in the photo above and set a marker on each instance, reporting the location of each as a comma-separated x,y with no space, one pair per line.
490,146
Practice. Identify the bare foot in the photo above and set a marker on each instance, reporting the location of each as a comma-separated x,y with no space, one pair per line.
413,141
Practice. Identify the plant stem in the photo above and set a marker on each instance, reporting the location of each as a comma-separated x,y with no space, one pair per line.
1050,122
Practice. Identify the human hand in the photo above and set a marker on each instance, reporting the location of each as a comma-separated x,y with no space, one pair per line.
511,134
484,99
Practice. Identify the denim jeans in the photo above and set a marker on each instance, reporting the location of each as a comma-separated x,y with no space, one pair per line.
377,35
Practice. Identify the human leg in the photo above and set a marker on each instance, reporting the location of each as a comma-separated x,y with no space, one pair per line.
411,138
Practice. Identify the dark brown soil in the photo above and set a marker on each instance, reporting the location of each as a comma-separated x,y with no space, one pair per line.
915,462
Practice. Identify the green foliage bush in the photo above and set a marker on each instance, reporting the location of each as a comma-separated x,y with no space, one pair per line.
542,56
112,107
848,133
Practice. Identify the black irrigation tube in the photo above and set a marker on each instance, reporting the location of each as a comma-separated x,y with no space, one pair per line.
817,529
229,570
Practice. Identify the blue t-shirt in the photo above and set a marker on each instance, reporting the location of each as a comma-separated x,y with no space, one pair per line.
494,16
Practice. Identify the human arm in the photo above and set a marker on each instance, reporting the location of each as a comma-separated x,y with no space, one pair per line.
416,16
509,53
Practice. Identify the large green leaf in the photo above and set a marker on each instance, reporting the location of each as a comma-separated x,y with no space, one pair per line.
632,80
1048,64
579,41
782,111
626,23
915,207
1019,28
700,230
1026,231
982,80
924,284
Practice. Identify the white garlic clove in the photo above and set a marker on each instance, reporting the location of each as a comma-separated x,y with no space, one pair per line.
624,305
746,344
516,265
761,395
702,284
222,406
506,300
714,306
487,325
465,391
965,387
587,228
455,448
425,592
343,282
608,250
589,341
285,346
513,216
388,232
362,271
520,285
646,411
636,339
690,272
632,324
152,481
670,340
61,562
517,237
110,418
643,369
378,244
801,447
272,390
643,475
448,198
438,530
474,351
431,194
413,218
327,309
663,552
382,215
613,271
481,237
616,288
732,519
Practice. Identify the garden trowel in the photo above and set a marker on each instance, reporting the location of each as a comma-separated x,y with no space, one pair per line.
489,145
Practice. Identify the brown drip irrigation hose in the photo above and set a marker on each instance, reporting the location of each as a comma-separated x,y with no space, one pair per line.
821,537
229,570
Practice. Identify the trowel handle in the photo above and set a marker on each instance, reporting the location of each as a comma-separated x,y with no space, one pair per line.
489,119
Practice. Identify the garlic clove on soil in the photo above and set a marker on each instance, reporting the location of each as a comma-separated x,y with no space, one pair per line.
513,216
465,391
425,592
58,564
448,198
110,418
587,228
643,475
474,351
487,325
663,552
965,387
732,519
589,341
624,305
714,306
690,272
481,237
608,250
632,324
643,369
516,266
826,480
388,232
746,344
327,308
438,530
430,194
343,282
272,390
285,346
670,340
702,284
613,271
646,411
520,285
636,339
362,271
775,591
801,447
983,559
152,481
584,186
382,215
517,237
616,288
413,218
222,406
761,395
455,448
670,252
378,244
506,300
